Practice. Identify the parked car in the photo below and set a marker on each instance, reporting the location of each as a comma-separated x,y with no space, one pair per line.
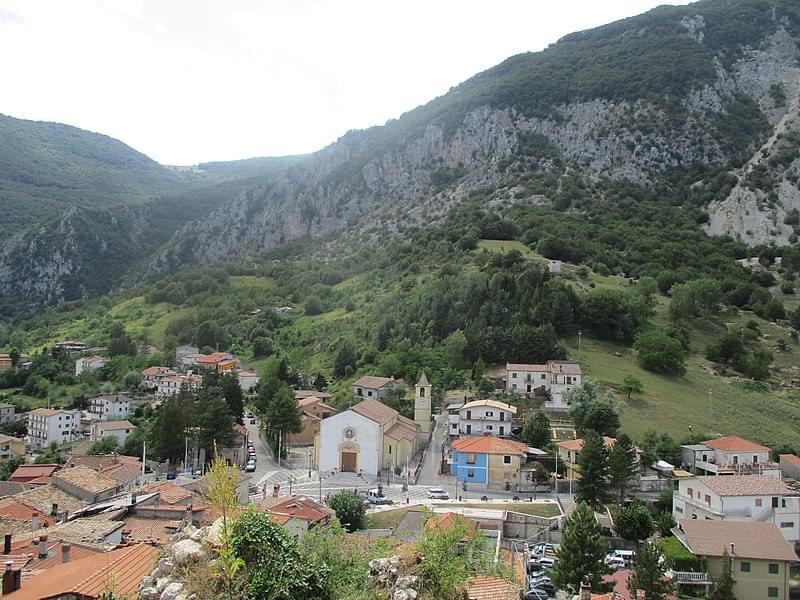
250,467
536,594
615,563
545,562
625,555
545,586
438,494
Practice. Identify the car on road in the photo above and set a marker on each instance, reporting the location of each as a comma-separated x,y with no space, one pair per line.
376,496
252,421
250,467
543,562
536,594
438,494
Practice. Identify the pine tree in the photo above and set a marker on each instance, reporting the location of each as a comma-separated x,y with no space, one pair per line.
582,551
623,467
536,431
283,415
723,587
592,487
215,422
233,396
648,575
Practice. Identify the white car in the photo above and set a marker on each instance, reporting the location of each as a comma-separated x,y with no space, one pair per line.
438,494
250,467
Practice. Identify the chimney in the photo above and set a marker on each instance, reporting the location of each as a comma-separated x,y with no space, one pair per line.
733,548
42,546
8,578
133,498
35,522
7,544
586,589
65,548
54,510
64,516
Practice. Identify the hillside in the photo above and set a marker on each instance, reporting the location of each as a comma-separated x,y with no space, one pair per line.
695,98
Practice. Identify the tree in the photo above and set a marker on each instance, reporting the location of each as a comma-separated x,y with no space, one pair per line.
262,346
589,411
220,491
634,522
346,357
658,352
102,446
320,383
664,523
283,416
648,573
623,467
349,509
131,381
233,396
723,587
631,385
8,466
215,421
537,432
167,433
582,552
119,342
454,349
592,487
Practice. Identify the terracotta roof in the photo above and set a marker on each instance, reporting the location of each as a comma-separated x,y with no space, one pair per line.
305,393
489,445
734,443
374,383
790,458
747,485
87,479
484,587
7,438
564,368
168,492
27,472
213,358
750,539
35,565
577,445
157,531
11,488
88,578
124,473
43,497
402,431
114,425
45,412
155,371
524,367
14,526
103,461
301,507
375,411
307,401
39,481
491,404
444,521
90,532
11,508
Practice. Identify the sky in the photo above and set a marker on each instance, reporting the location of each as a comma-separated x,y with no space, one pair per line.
188,81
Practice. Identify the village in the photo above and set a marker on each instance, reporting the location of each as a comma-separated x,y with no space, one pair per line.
459,456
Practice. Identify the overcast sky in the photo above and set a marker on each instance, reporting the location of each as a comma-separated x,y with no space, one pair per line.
187,81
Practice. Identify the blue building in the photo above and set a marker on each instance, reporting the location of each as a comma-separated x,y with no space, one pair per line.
491,461
470,467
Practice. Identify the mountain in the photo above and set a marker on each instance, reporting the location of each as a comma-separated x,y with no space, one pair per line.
702,96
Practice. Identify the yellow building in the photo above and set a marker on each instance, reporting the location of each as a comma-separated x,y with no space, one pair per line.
11,447
760,556
569,450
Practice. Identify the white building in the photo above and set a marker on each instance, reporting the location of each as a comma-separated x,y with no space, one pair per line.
86,363
729,455
372,387
169,386
482,417
555,377
248,380
110,408
739,498
116,429
152,375
6,412
46,426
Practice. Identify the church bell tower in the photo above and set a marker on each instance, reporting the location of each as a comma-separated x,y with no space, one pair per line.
422,409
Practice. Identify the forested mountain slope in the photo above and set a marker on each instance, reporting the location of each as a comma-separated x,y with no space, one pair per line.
698,98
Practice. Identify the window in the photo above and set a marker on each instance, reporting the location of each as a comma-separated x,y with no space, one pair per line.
488,428
489,413
506,460
735,460
772,592
469,414
774,568
513,386
774,502
360,392
690,491
708,499
513,376
543,376
390,449
787,524
758,501
755,459
502,416
369,393
783,502
421,392
679,509
470,459
470,472
745,567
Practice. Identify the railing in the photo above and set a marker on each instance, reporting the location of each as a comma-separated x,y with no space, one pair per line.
691,578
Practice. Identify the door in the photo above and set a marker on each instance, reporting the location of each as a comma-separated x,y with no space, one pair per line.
469,429
349,462
502,430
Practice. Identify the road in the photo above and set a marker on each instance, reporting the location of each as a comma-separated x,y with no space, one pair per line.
267,470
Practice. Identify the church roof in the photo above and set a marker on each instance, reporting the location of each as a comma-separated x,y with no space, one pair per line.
423,380
402,431
375,411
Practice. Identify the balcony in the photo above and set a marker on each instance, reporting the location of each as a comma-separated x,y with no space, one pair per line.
691,578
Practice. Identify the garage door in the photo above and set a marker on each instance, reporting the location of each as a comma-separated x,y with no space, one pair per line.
349,462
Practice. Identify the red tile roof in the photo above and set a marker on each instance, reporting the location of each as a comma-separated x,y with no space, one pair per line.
790,458
443,522
12,509
25,473
375,411
168,492
750,539
490,445
734,443
301,507
747,485
577,445
374,383
484,587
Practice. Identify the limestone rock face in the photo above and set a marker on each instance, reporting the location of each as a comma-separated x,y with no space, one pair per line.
186,551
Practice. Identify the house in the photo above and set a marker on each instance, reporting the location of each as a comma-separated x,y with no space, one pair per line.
554,378
189,361
728,455
790,466
760,556
88,363
115,429
11,447
372,387
6,363
221,362
46,426
739,498
6,412
369,437
52,501
554,266
152,375
297,513
72,346
324,396
169,386
248,380
312,412
110,408
483,417
88,578
86,484
27,473
488,460
489,587
569,450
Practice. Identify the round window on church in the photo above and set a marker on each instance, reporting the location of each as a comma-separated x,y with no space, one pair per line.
349,433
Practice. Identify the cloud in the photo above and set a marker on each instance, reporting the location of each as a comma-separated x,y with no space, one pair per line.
9,18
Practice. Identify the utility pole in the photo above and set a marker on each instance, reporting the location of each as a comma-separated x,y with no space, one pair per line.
144,455
709,404
580,333
280,442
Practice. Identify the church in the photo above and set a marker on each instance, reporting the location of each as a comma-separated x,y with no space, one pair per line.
370,436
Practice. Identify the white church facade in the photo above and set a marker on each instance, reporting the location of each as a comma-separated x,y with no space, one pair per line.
371,437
